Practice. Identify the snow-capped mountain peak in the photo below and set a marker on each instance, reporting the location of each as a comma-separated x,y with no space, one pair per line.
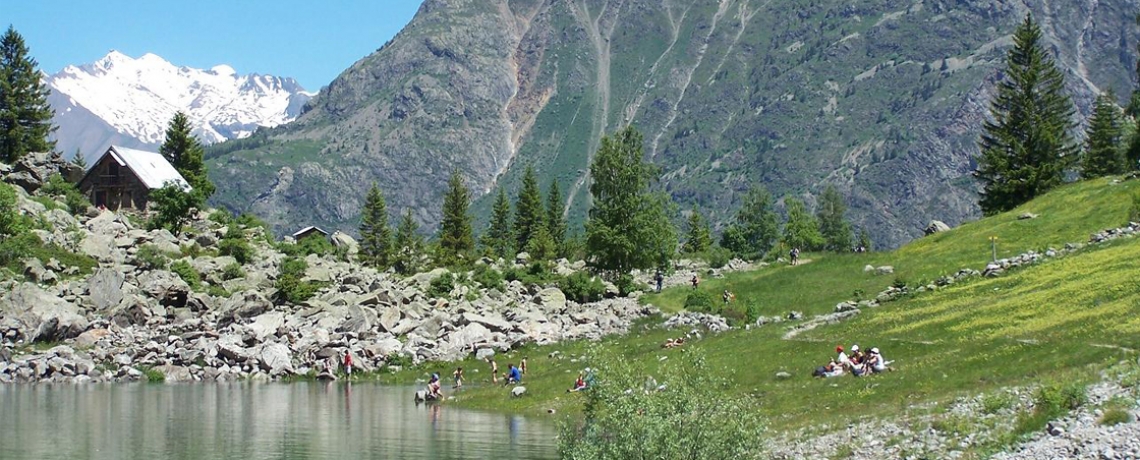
136,98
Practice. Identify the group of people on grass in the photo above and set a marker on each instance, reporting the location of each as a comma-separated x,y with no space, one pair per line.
858,363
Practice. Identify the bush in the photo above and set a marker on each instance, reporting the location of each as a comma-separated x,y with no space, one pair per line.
996,402
291,288
700,301
59,187
899,283
627,285
582,288
1115,416
233,272
14,249
188,274
487,277
1054,401
644,424
239,249
1134,211
221,216
218,291
12,223
442,286
718,257
149,257
172,207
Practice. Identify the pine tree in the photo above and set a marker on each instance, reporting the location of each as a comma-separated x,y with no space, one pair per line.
628,225
409,245
833,226
756,228
1102,155
25,116
1026,146
555,222
78,160
185,153
699,238
376,248
498,239
455,235
529,214
541,245
801,230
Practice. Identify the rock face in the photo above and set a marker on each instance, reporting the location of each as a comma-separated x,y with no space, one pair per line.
41,316
497,80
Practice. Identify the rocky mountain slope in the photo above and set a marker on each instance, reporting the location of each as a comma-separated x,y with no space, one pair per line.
126,101
883,99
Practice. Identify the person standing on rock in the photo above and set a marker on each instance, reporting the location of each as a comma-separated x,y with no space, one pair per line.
348,364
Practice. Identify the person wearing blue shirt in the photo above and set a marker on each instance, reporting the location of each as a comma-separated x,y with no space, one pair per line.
514,375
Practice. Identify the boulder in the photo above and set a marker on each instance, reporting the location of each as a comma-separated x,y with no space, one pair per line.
493,321
266,325
518,391
484,354
467,337
344,240
245,304
34,169
551,299
175,374
275,359
35,271
384,348
167,288
105,288
41,315
231,347
97,246
936,226
389,318
90,338
884,270
1027,216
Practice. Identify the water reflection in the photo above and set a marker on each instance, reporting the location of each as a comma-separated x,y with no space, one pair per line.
253,422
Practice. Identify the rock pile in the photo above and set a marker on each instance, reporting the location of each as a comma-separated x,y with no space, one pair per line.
688,319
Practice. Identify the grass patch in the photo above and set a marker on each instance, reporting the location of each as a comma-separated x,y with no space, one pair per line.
1115,416
152,375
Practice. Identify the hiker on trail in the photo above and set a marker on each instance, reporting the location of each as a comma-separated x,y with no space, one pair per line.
458,375
659,278
494,370
522,365
795,256
696,281
434,387
513,375
348,363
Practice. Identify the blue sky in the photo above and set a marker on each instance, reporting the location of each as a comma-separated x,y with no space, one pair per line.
309,40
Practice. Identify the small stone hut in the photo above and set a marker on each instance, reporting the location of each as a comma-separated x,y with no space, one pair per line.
123,178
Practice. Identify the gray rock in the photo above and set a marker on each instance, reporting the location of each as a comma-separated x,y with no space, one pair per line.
275,359
936,226
492,321
518,391
484,353
389,318
90,338
266,325
41,315
105,288
885,270
175,374
1027,216
245,304
551,299
167,288
344,240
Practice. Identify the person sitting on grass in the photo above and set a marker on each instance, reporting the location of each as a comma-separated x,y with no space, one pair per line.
514,377
877,363
579,384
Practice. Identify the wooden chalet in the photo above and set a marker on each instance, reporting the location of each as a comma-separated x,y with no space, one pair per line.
308,232
123,178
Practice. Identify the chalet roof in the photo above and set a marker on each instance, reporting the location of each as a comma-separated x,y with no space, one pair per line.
150,167
307,230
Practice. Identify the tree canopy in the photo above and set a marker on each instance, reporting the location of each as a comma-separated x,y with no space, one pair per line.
755,229
25,116
375,234
185,153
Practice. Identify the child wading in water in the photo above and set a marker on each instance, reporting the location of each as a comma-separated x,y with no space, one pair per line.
348,364
458,377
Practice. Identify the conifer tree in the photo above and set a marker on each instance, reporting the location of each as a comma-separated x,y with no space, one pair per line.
78,160
628,225
555,222
25,116
408,245
541,245
455,234
833,225
498,239
1102,156
801,230
699,238
185,153
756,227
529,213
376,247
1026,146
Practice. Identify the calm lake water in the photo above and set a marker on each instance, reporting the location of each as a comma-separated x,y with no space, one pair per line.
251,422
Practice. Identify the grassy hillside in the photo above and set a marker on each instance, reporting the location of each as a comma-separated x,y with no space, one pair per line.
1062,319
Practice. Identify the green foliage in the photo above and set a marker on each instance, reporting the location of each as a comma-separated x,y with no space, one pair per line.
442,286
221,217
555,220
628,226
250,221
1134,211
188,274
1115,416
529,213
498,238
455,237
291,288
60,188
700,300
865,240
315,244
833,225
238,248
1027,146
78,160
541,245
152,375
25,115
185,153
487,277
173,207
14,249
1103,155
233,272
581,287
409,245
375,233
697,417
993,403
718,257
699,238
627,285
755,229
217,291
149,257
12,222
801,230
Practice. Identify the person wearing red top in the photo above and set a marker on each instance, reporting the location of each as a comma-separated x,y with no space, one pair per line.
347,363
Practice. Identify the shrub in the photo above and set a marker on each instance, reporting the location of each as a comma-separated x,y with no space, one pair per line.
1052,401
1115,416
627,285
15,249
239,249
899,283
487,277
643,424
996,402
232,272
221,216
152,375
718,257
12,223
700,301
291,288
582,288
188,274
149,257
441,286
172,207
1134,211
59,187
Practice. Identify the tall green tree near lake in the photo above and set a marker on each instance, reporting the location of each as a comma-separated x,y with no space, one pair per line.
25,116
628,225
455,234
833,225
756,228
555,220
529,213
801,230
498,239
376,247
1027,145
185,153
409,245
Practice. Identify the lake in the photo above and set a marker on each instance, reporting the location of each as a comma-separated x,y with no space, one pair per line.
255,421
